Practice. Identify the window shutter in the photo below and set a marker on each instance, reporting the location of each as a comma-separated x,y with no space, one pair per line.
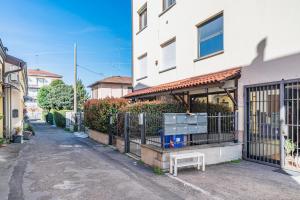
143,62
168,56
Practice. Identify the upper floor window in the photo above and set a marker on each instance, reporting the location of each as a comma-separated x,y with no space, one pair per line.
168,53
41,81
143,17
210,35
168,3
142,66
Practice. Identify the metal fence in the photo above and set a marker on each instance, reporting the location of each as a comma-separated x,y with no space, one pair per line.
147,128
220,128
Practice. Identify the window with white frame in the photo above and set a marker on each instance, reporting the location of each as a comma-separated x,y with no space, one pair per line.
142,66
210,35
143,17
168,55
168,3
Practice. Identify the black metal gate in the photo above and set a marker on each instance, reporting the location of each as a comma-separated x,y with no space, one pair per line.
263,123
134,134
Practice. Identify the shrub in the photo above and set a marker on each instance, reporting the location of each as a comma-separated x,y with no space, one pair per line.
28,127
49,118
97,112
59,117
154,107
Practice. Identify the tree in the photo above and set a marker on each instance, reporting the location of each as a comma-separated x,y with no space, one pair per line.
60,96
43,98
82,94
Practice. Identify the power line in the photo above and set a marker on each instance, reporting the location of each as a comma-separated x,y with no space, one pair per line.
89,70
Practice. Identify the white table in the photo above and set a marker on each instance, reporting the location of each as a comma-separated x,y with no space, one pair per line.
194,159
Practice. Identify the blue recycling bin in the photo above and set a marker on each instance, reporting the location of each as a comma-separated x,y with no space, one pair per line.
172,141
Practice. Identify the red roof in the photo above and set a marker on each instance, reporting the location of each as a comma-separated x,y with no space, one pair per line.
38,72
206,79
114,80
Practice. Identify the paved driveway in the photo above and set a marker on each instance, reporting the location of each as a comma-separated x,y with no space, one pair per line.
56,165
245,180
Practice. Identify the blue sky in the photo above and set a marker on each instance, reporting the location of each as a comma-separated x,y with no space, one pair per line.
42,33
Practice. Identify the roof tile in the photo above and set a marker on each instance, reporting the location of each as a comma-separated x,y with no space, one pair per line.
189,82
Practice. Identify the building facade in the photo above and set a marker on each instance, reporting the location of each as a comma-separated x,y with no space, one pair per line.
36,79
2,67
16,87
242,55
112,87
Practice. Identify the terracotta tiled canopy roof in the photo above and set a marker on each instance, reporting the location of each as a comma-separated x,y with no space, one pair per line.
14,61
38,72
115,80
195,81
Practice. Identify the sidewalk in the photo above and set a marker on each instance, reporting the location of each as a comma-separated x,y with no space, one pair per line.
244,180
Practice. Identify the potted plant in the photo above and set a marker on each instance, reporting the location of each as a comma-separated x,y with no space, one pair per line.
18,137
289,147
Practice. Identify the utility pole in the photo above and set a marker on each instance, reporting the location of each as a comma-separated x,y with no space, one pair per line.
75,78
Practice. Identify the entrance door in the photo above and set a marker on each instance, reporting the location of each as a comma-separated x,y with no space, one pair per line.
263,123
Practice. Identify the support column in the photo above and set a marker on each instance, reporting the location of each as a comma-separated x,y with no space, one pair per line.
283,126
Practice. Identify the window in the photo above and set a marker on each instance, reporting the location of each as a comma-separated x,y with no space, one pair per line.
168,3
143,17
95,92
168,53
210,35
40,81
142,66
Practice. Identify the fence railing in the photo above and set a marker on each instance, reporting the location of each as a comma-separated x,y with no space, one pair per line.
148,129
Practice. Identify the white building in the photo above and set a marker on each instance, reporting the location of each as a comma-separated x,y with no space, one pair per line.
36,79
115,86
242,54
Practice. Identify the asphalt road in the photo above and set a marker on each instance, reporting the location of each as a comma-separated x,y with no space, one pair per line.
57,165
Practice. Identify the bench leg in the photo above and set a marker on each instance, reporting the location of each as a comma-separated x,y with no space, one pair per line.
175,168
198,162
203,163
171,166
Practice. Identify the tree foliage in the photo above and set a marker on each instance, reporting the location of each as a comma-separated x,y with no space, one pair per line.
60,96
43,99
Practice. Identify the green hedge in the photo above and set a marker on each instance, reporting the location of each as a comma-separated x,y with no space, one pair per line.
59,117
48,117
97,112
154,107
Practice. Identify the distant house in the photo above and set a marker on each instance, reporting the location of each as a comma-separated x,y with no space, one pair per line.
114,86
36,79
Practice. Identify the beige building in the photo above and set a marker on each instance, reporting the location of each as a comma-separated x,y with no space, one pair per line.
243,54
36,79
2,67
16,87
115,86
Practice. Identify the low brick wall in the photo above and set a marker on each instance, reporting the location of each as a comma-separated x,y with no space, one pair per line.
214,154
120,144
99,137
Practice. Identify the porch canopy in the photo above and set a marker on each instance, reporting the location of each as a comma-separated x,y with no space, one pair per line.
188,83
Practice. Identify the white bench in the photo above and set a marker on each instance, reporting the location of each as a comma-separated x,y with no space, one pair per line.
179,160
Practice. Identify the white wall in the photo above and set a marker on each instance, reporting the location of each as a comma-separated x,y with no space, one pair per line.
110,90
246,24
